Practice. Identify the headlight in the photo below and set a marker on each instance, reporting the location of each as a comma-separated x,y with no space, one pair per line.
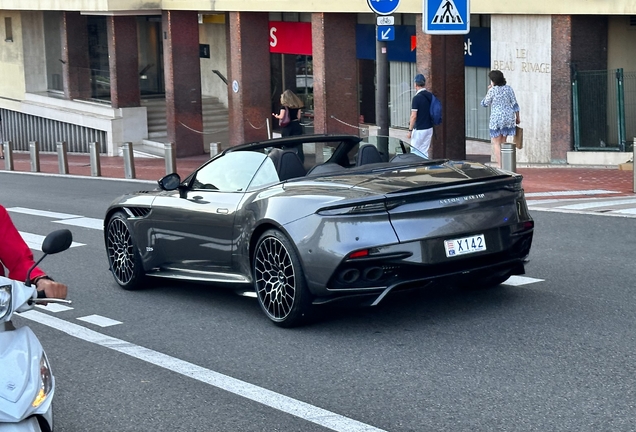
46,382
5,301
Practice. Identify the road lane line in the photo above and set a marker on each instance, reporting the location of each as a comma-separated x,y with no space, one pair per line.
83,222
99,320
521,280
34,241
34,212
255,393
572,192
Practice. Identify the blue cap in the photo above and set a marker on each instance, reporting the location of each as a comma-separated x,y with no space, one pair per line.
419,79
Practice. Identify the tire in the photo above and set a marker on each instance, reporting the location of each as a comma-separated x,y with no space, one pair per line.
279,280
123,256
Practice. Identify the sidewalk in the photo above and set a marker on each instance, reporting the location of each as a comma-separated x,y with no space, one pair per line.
540,182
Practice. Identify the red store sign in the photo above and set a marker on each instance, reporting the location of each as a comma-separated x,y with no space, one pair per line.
290,37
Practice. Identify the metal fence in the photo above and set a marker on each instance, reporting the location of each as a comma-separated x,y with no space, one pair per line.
604,110
20,129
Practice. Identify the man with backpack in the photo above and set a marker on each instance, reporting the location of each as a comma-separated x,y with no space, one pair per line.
425,113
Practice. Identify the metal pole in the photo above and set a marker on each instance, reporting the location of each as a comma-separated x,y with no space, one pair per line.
509,157
129,160
171,158
382,96
34,152
215,149
62,160
8,155
96,169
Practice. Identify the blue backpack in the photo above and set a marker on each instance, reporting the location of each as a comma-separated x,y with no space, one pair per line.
436,110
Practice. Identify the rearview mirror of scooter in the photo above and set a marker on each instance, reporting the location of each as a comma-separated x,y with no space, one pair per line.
57,241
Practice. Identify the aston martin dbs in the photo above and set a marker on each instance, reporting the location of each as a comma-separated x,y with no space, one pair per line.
312,219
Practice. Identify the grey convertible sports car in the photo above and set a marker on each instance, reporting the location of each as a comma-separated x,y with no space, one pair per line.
317,218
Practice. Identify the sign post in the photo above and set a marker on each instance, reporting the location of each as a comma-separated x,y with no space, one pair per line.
446,17
385,32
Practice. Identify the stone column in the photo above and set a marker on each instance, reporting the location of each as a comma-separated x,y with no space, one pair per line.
249,76
333,38
183,82
123,61
76,70
441,60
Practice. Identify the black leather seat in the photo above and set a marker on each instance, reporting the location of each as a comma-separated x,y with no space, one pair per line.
287,163
368,154
326,168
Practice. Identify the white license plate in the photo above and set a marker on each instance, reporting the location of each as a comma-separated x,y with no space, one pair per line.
466,245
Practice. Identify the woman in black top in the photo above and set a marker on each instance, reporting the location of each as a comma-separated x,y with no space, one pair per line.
289,101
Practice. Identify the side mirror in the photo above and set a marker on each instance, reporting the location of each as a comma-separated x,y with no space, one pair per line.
57,241
170,182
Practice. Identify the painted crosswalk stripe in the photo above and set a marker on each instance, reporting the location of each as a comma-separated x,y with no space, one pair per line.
99,320
521,280
597,204
83,222
568,193
44,213
54,307
34,241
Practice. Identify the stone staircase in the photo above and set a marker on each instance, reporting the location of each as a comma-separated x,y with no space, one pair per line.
215,126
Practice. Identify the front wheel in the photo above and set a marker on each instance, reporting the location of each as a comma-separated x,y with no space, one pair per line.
123,256
279,280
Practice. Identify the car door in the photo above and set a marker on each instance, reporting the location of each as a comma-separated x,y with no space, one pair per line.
194,227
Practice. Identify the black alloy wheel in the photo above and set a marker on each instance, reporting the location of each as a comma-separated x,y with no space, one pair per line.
123,257
279,280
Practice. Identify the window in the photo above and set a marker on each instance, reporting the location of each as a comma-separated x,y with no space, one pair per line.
231,173
8,30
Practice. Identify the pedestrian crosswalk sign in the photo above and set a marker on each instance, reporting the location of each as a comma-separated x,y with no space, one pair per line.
446,17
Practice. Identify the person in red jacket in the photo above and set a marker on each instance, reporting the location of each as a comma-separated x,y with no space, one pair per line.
16,256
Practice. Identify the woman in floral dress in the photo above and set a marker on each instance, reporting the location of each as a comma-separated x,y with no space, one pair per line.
504,111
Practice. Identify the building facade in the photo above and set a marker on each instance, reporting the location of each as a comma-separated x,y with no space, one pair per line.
128,71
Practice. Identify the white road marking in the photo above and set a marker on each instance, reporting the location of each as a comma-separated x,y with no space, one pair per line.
34,212
521,280
572,193
99,320
83,222
626,211
597,204
54,307
34,241
244,389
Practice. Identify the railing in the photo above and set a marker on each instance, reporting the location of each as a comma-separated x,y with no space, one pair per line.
20,129
604,110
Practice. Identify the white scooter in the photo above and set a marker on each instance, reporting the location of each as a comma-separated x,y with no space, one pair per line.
26,382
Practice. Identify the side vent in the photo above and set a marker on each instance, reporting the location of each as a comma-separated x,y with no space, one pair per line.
138,212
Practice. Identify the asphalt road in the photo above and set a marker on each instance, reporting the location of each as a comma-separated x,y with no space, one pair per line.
556,353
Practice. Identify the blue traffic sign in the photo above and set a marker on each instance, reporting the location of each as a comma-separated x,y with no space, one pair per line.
386,33
446,17
383,7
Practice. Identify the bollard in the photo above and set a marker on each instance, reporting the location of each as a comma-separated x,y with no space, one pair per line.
171,158
509,157
8,155
62,159
96,169
34,152
129,160
215,149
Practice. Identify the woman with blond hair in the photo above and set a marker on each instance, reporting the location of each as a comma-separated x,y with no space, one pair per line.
292,104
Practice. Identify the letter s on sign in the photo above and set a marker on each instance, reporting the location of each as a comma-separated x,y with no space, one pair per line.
273,40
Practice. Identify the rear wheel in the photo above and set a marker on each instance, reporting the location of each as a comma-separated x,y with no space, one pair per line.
279,280
123,256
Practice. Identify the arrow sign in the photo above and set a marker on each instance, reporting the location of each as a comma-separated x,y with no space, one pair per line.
386,33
